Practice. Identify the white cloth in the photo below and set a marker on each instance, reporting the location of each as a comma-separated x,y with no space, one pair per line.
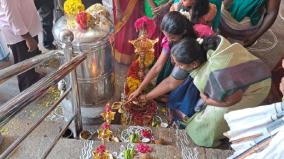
250,119
248,126
18,17
4,52
274,150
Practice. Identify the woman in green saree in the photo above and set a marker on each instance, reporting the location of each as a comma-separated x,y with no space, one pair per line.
228,78
156,9
247,20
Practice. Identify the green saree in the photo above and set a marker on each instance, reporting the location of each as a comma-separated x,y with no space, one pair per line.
247,8
148,9
206,128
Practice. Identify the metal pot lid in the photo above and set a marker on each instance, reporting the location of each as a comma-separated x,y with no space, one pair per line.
95,35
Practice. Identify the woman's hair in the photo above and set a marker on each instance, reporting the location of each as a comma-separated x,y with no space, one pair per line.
199,9
189,50
176,23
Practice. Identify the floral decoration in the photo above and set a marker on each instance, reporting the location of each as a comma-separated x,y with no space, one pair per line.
143,148
73,7
101,149
85,20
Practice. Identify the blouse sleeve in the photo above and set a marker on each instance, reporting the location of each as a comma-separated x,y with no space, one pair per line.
179,74
165,45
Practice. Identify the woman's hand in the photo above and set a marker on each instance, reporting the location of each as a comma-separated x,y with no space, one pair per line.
158,10
134,94
228,101
249,41
143,98
111,38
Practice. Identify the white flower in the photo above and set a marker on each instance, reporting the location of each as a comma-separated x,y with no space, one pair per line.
186,14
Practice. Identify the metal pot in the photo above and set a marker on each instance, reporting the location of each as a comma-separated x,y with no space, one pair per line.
95,74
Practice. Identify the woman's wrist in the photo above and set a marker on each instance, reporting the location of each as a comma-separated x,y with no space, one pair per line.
140,88
143,98
170,2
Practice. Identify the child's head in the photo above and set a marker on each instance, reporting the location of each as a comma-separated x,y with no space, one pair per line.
199,9
188,54
175,26
187,3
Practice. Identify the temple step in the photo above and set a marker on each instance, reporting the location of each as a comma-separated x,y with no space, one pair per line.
177,143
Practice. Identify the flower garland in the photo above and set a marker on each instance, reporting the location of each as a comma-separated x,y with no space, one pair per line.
144,116
85,20
101,149
144,49
132,84
149,58
133,69
73,7
140,150
143,148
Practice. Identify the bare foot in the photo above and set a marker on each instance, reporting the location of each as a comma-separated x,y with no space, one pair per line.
180,114
174,125
170,117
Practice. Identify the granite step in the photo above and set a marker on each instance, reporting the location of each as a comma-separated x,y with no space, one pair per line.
178,144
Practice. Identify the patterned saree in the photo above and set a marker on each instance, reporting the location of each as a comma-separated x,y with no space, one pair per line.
125,30
229,68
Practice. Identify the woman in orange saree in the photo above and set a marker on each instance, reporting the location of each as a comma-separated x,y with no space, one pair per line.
125,14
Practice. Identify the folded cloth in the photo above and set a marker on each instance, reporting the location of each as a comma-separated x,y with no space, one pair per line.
244,122
250,126
275,148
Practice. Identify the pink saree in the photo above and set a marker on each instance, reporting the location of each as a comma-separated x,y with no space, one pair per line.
125,30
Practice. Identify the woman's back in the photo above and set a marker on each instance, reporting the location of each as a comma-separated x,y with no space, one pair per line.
229,68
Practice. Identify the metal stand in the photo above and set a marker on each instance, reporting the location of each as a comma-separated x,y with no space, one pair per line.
67,37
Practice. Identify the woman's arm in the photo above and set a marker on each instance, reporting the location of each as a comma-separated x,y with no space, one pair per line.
152,4
209,17
154,71
269,18
117,9
228,101
166,6
167,85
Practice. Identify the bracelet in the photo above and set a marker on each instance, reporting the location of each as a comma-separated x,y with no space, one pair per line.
143,100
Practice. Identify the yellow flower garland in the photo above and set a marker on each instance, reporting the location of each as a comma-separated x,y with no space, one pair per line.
132,84
73,7
149,58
